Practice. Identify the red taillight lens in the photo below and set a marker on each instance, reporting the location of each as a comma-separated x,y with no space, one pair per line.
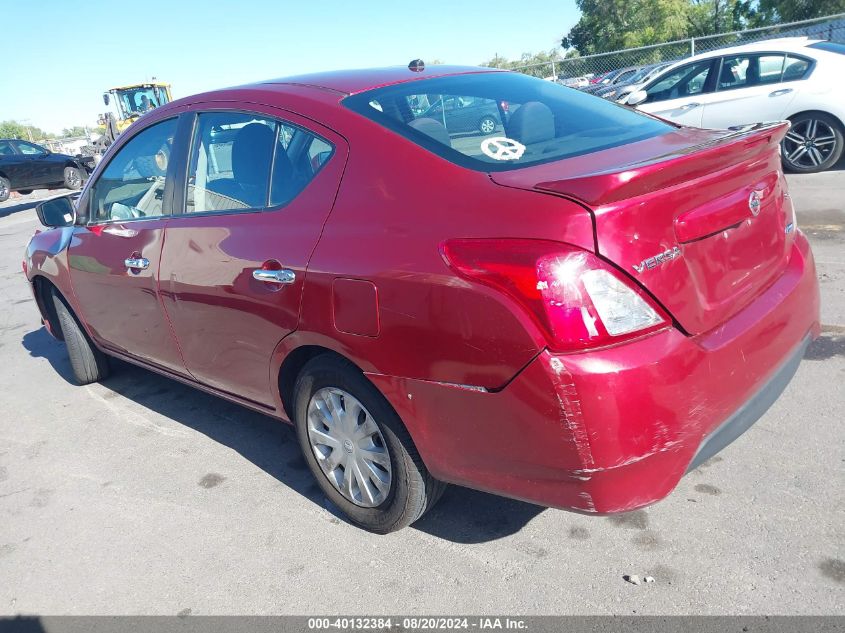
576,299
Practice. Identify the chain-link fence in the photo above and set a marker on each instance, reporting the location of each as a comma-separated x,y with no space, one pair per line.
827,28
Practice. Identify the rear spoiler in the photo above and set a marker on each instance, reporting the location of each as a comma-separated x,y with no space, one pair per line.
737,145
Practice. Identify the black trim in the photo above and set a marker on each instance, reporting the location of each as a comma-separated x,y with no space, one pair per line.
744,417
183,144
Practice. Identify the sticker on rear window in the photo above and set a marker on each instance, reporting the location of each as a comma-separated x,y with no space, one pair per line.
502,148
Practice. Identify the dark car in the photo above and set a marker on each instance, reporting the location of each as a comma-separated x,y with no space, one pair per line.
25,166
618,88
619,76
467,114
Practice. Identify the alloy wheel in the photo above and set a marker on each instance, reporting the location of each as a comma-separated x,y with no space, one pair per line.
4,190
349,447
73,179
487,125
809,143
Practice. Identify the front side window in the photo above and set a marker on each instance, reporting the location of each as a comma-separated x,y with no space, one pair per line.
682,82
500,121
30,149
241,161
132,185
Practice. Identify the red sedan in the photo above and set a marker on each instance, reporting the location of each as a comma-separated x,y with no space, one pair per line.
575,308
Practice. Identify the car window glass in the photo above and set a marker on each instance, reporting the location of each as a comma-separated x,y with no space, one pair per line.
796,68
771,68
625,76
29,149
298,156
461,115
735,72
681,82
6,148
502,121
132,184
231,157
243,161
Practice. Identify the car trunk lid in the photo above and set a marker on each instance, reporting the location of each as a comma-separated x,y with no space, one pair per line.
700,218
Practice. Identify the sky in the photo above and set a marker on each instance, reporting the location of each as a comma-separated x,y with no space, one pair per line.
56,69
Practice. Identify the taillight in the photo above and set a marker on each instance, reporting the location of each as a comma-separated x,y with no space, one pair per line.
576,299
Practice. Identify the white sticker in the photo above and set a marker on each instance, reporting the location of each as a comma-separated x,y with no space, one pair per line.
68,217
502,148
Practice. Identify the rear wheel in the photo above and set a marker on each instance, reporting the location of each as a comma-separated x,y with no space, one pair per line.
73,177
358,449
487,125
5,189
88,363
25,192
813,143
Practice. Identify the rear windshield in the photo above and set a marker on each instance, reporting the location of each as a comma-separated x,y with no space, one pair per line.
501,121
831,47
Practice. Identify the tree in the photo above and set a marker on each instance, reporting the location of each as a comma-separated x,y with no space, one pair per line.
76,130
708,17
540,64
14,129
608,25
777,11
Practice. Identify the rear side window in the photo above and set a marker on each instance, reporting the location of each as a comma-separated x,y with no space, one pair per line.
796,68
132,185
742,71
831,47
6,148
501,121
242,161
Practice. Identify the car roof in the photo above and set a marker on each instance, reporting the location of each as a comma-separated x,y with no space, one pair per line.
361,80
785,44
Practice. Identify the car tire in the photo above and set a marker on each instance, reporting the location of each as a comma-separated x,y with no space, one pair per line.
487,125
25,192
5,189
88,363
73,178
813,143
409,491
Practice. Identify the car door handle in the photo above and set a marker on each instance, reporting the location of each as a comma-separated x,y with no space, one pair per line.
690,106
137,263
283,276
780,92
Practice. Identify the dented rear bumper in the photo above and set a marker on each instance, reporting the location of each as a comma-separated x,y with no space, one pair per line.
615,429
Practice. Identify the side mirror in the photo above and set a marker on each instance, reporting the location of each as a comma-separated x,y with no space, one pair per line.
106,99
636,97
56,212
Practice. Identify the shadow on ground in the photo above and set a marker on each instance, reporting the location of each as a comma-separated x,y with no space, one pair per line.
462,516
826,346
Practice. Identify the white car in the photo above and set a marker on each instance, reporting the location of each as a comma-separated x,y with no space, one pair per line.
798,79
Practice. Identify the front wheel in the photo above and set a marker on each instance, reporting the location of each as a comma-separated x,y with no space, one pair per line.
5,189
358,449
813,143
73,178
88,363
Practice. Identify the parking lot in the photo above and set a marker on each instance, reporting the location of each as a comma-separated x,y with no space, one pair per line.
141,495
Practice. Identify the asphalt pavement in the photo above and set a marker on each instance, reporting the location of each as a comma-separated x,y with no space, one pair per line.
144,496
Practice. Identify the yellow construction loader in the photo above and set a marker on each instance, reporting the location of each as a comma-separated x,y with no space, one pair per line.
130,103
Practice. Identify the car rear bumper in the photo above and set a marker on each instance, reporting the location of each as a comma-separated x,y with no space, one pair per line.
615,429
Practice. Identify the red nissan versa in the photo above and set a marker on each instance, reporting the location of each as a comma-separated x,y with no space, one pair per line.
574,309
